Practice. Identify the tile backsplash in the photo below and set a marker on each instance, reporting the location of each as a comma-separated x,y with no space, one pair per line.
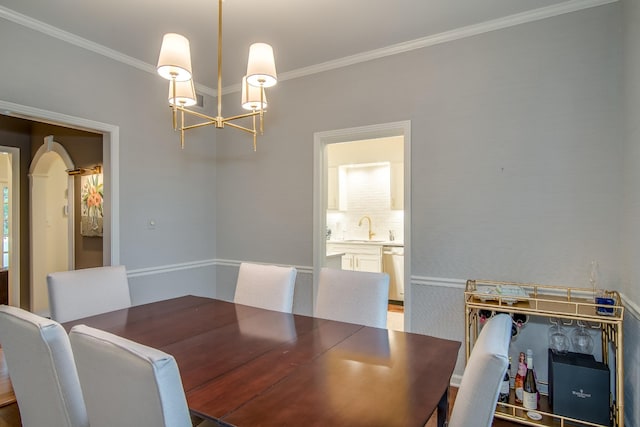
368,193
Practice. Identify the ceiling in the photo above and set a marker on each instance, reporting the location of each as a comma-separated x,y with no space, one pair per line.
304,33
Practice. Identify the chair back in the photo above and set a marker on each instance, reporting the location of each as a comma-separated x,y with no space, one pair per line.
353,296
81,293
42,370
126,383
476,400
266,286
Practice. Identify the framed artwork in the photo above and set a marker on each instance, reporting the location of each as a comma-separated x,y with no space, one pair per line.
91,205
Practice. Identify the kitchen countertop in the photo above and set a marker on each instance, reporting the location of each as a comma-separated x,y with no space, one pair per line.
368,242
335,254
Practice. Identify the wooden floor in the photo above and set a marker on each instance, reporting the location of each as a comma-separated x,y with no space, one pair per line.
10,415
396,308
452,397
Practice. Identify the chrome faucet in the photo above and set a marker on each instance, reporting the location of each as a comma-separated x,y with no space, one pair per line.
371,233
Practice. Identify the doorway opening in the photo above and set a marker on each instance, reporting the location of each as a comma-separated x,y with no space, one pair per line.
20,281
51,219
10,219
362,206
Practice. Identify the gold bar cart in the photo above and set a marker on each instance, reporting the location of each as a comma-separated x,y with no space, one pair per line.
574,304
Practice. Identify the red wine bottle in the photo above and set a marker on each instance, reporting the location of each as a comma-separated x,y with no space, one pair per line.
485,315
530,389
505,386
520,319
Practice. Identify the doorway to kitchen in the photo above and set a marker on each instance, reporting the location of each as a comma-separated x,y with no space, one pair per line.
362,207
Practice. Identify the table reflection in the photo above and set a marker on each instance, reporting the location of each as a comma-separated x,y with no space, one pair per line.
268,325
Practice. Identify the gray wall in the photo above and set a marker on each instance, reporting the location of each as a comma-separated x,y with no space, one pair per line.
157,180
517,161
631,236
517,152
515,146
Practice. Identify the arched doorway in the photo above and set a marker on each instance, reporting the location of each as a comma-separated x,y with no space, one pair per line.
51,219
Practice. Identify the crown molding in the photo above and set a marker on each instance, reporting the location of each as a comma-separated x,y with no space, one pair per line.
444,37
448,36
73,39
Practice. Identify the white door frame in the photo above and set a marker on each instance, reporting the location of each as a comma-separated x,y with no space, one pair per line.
320,142
14,232
110,159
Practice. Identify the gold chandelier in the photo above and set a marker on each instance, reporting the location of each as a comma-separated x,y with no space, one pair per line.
174,64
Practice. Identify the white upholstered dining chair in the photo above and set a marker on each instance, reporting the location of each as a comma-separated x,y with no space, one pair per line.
126,383
484,371
266,286
42,370
353,296
81,293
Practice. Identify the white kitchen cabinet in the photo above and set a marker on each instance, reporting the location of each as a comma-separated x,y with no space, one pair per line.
368,263
397,185
347,262
359,257
336,194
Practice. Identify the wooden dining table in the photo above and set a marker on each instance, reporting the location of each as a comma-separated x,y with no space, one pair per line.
245,366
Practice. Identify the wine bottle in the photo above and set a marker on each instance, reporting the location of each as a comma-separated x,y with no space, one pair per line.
504,387
520,374
520,319
484,315
530,389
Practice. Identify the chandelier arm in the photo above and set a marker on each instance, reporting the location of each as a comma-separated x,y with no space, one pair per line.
198,125
241,116
197,114
233,125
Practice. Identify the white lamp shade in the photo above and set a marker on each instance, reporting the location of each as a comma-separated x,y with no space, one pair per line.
185,94
175,58
251,96
261,69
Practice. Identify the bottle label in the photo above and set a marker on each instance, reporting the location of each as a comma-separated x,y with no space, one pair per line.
519,393
530,400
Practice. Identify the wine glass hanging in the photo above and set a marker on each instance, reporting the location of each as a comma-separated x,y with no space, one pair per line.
558,339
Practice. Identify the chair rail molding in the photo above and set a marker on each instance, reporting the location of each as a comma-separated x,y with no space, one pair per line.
440,282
